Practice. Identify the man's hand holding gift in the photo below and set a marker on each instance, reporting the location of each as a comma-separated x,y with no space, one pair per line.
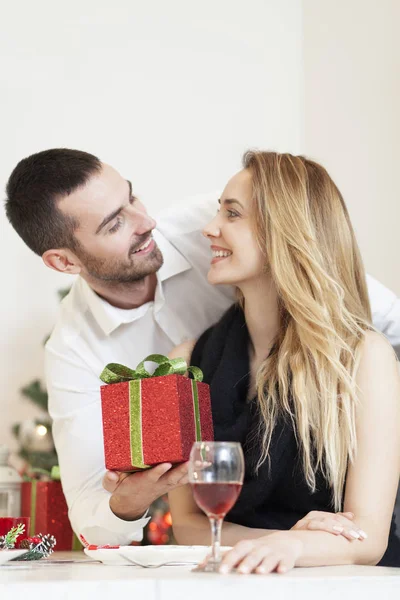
132,493
150,420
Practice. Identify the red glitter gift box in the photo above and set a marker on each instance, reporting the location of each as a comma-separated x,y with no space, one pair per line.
45,504
151,419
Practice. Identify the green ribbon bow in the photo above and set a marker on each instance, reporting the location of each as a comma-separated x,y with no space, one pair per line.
53,475
116,373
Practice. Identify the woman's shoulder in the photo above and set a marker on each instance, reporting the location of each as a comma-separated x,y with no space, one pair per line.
378,375
375,347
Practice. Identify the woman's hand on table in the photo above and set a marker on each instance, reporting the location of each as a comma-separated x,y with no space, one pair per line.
337,523
275,552
279,551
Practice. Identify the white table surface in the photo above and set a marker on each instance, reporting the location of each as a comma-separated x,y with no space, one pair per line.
89,580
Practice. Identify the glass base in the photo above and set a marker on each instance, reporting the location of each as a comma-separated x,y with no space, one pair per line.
209,567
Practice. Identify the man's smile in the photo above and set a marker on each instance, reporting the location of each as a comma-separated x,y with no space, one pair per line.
146,247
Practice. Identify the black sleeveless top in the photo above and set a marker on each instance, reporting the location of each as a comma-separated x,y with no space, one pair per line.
277,496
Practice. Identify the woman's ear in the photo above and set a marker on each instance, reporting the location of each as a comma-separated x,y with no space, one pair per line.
62,260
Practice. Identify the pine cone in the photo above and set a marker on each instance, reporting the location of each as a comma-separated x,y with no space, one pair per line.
3,544
46,545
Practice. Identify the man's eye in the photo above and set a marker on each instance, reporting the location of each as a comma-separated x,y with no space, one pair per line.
115,227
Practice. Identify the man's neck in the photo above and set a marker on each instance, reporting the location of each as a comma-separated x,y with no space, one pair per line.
125,295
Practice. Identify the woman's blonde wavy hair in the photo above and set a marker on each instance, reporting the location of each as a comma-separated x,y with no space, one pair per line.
303,228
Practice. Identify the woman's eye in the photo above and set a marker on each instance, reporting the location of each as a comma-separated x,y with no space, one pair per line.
231,213
115,227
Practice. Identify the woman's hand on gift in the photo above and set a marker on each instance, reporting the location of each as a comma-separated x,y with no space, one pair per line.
337,523
132,493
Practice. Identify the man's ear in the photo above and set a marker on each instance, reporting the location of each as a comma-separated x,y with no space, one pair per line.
62,260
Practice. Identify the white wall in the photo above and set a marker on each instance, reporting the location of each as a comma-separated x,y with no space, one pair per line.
352,117
169,92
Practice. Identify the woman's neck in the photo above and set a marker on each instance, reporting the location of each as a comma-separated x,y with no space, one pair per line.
261,312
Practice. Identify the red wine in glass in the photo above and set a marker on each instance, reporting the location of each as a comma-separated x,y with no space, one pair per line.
216,473
216,498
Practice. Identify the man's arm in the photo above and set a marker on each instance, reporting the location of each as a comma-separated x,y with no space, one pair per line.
116,516
75,407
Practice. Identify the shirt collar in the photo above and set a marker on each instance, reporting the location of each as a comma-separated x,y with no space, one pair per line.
110,317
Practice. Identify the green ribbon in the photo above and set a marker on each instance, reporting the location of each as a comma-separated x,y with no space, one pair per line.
117,373
33,507
135,423
196,407
53,475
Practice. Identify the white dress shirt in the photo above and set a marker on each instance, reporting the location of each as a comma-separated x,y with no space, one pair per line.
91,333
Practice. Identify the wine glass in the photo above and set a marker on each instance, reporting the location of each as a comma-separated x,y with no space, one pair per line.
216,471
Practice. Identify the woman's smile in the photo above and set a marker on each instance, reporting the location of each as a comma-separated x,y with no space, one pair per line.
219,253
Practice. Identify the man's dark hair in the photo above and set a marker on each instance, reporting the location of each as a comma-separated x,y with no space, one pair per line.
33,191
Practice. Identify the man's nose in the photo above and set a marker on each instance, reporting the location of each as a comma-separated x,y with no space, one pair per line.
143,222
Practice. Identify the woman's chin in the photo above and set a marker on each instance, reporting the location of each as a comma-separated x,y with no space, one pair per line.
216,278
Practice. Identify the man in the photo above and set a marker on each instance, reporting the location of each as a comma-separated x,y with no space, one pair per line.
139,290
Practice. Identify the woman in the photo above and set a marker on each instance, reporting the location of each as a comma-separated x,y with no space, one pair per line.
298,376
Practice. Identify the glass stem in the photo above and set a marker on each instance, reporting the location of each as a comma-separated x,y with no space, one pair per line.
216,527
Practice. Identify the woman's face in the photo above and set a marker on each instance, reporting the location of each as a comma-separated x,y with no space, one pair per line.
236,257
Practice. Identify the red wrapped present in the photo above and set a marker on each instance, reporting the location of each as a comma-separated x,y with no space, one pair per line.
151,419
45,504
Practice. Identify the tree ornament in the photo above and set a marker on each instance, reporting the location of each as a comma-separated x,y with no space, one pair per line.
7,542
38,546
28,543
34,435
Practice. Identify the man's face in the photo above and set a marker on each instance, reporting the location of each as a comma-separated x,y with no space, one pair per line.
114,232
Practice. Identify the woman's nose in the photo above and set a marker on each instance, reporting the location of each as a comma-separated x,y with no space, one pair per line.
212,229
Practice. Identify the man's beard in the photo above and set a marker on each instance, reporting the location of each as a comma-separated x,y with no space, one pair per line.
114,271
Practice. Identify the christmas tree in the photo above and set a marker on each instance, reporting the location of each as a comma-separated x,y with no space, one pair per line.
36,448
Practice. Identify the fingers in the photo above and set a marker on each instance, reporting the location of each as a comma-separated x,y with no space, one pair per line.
236,555
347,528
254,559
341,526
177,476
336,523
155,473
112,479
348,515
251,557
275,563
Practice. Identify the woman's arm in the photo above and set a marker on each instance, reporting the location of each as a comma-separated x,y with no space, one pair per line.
373,478
371,482
191,526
